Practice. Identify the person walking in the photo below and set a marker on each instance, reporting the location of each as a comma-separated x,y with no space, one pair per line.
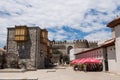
85,67
76,68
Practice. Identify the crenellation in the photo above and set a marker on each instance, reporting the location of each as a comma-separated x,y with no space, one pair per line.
81,43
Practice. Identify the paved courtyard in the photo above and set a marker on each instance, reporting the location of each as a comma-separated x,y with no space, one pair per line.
59,73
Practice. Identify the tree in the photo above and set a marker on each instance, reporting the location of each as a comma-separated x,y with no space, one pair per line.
65,41
66,59
53,41
4,47
56,52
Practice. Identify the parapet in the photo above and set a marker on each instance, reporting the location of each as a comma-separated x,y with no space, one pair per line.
82,43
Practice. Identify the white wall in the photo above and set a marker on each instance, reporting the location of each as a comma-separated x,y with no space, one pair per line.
96,53
117,46
113,33
112,61
72,57
74,51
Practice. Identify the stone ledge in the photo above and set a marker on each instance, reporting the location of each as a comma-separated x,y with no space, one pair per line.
12,70
21,79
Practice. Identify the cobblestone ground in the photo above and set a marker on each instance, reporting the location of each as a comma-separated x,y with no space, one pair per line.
59,73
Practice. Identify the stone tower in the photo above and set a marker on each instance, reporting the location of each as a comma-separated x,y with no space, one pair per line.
29,43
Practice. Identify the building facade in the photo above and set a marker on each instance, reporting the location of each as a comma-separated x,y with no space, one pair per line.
29,44
2,57
76,50
2,51
115,26
105,52
111,49
112,60
92,53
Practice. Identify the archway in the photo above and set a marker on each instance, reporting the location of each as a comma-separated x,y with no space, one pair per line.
66,58
68,49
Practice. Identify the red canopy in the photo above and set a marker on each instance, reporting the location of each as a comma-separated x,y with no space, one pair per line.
85,60
81,60
75,61
91,60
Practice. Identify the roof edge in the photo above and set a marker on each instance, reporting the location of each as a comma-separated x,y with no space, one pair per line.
114,23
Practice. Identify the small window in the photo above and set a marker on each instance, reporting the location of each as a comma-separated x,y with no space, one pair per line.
99,51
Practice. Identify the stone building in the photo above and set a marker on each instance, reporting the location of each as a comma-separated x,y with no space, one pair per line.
50,49
49,57
29,44
2,51
2,58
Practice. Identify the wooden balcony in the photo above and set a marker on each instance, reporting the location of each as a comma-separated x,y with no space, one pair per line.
21,33
44,36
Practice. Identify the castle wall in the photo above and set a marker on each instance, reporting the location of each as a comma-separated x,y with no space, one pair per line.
63,46
81,44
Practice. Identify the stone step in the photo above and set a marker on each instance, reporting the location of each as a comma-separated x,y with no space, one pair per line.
21,79
12,70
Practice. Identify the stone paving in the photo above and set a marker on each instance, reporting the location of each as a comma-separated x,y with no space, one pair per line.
58,73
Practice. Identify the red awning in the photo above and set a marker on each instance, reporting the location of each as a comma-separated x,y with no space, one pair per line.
91,60
85,60
75,61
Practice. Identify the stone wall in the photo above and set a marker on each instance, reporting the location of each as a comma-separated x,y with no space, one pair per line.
63,46
29,51
2,58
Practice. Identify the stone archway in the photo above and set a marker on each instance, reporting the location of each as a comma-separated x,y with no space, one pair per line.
68,49
66,57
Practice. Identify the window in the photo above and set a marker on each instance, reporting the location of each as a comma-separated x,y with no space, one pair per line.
114,48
